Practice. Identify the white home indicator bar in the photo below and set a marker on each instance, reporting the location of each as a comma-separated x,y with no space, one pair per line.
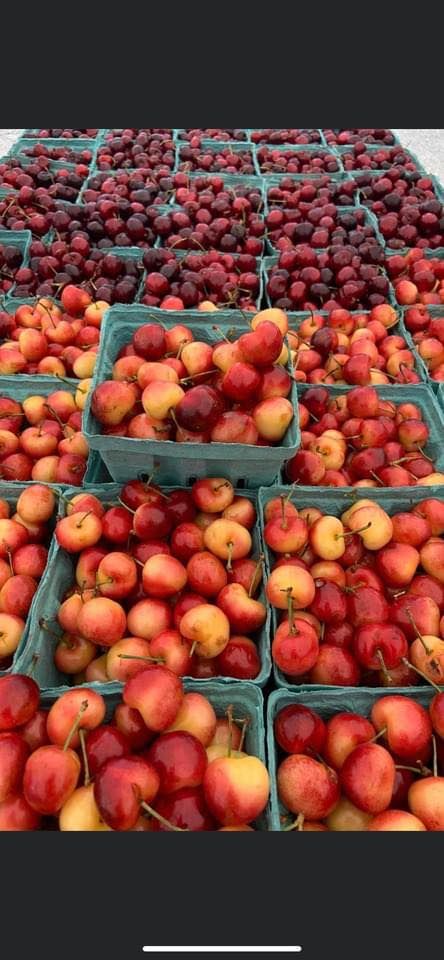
222,949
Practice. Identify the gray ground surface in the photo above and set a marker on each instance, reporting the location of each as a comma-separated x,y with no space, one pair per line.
427,144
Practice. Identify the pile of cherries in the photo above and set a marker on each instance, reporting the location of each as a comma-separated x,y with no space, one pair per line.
359,439
167,385
59,184
352,348
11,259
207,281
141,187
384,158
344,137
408,210
54,341
286,136
384,772
222,134
428,334
209,214
59,133
41,438
24,540
319,223
102,273
151,149
164,762
66,153
161,577
358,599
344,275
273,160
417,279
222,160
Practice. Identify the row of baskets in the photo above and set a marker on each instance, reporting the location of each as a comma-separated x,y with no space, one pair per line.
35,653
247,702
180,463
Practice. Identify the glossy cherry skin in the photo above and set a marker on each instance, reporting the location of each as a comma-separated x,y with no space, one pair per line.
298,729
14,753
367,605
120,787
330,603
240,659
103,744
185,809
51,776
180,760
19,700
199,409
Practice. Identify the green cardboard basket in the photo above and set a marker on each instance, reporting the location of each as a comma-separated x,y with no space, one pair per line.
40,652
11,492
327,704
335,501
246,699
177,463
22,386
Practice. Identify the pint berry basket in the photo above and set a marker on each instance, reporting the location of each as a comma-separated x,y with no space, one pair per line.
326,704
11,492
334,502
39,654
21,387
178,463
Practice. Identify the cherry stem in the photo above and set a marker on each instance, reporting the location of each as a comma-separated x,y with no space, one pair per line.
74,728
420,770
427,649
292,490
56,416
229,713
351,533
378,735
290,611
284,523
204,373
125,506
297,824
193,647
425,455
230,546
255,580
134,656
85,757
103,583
173,417
421,674
245,725
83,517
166,823
219,330
435,756
375,477
384,670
